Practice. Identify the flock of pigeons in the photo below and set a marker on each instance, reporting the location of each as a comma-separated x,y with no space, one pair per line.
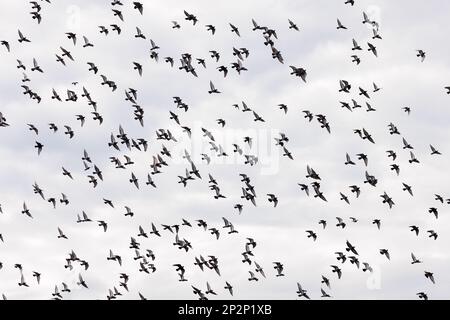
145,258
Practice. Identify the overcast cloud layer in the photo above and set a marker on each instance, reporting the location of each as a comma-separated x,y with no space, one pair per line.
280,232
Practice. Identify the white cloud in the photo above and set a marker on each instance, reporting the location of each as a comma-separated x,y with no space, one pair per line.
280,233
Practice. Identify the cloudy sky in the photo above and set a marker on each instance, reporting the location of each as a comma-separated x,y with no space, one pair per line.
280,233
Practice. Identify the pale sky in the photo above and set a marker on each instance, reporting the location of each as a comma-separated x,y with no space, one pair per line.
280,233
